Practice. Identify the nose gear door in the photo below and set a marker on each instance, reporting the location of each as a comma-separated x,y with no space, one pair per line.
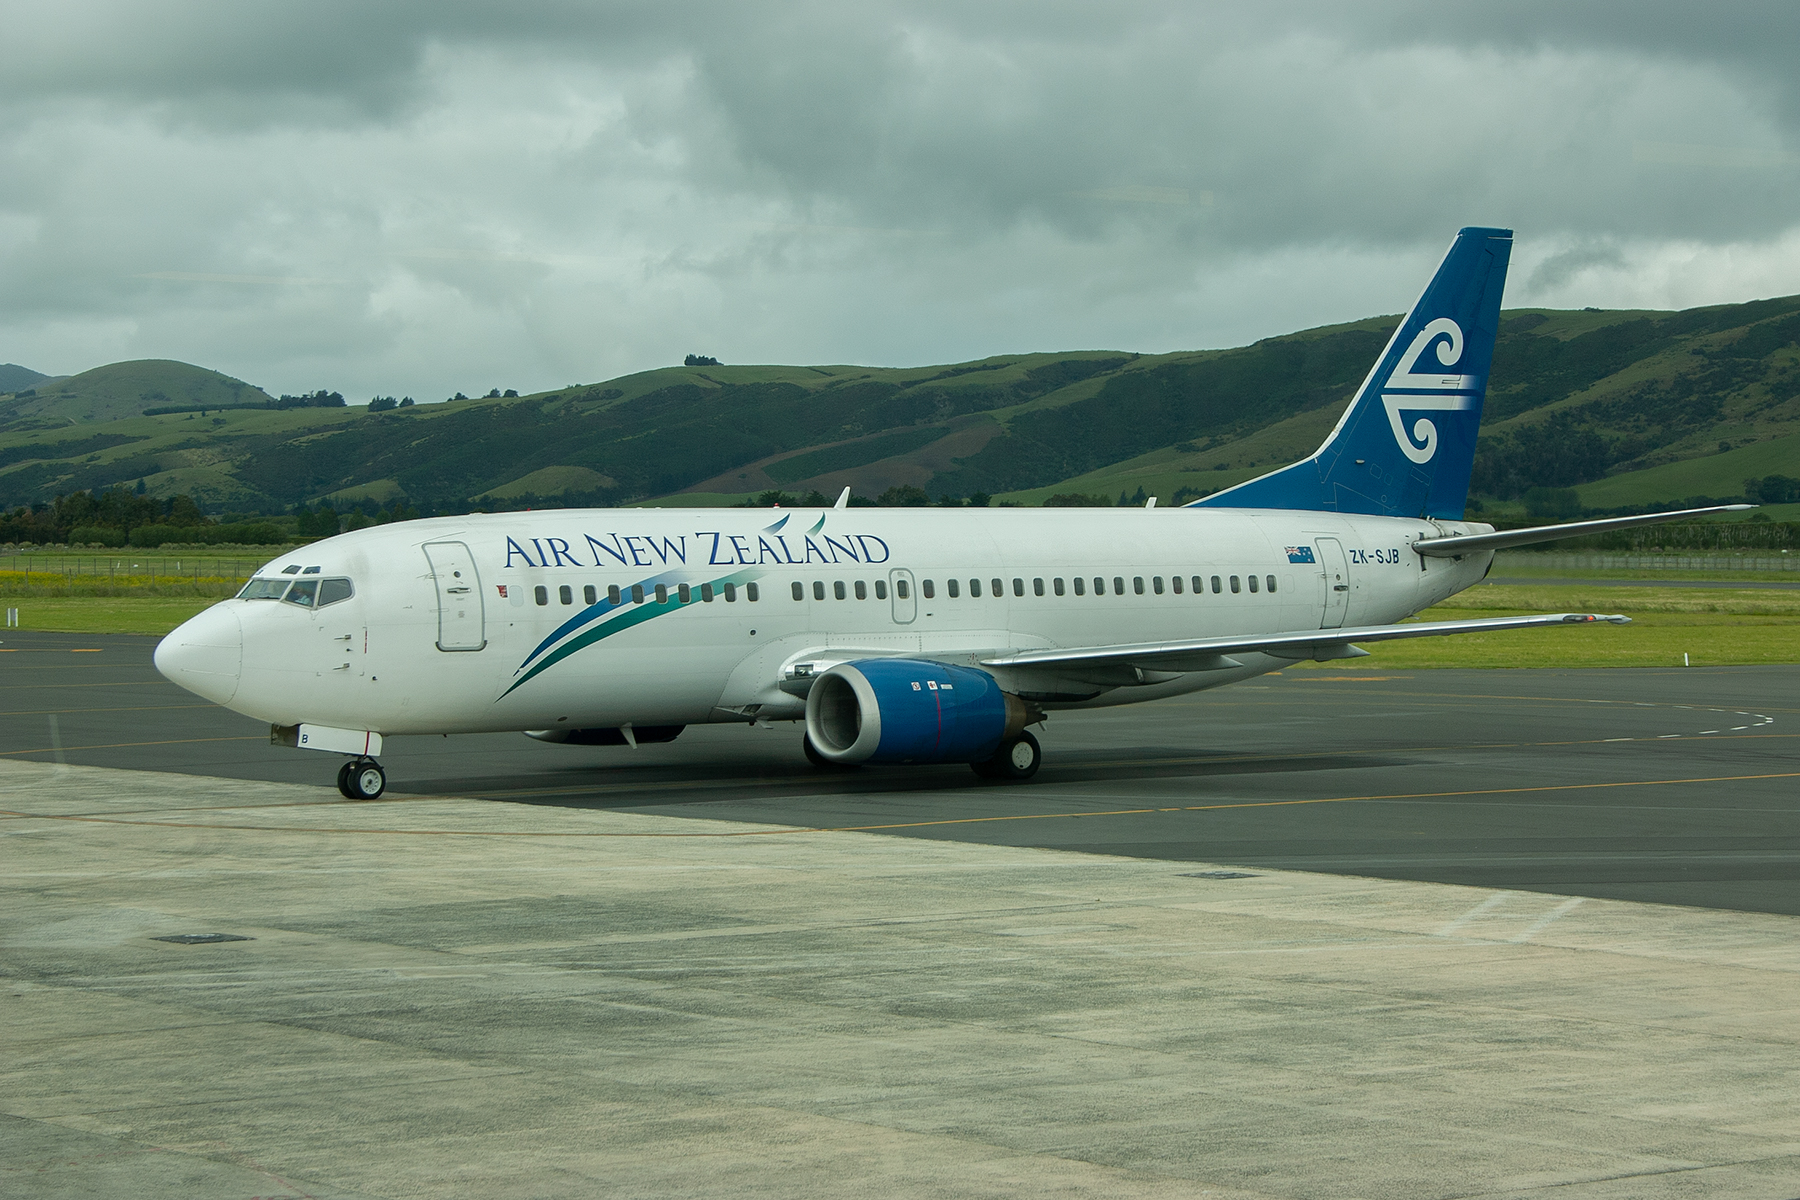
461,614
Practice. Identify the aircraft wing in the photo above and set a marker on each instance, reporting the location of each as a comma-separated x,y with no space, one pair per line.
1467,543
1214,654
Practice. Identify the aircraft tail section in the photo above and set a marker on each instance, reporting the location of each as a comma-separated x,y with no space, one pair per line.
1406,444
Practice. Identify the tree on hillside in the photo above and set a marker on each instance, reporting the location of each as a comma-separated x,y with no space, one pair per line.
904,496
1772,489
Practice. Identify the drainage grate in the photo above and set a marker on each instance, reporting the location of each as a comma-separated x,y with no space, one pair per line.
195,939
1219,875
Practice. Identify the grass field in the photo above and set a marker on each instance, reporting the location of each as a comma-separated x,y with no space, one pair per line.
1713,627
104,614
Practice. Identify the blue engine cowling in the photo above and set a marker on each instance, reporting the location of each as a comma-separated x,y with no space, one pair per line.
905,710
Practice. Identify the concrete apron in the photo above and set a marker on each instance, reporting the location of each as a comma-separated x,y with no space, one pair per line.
450,997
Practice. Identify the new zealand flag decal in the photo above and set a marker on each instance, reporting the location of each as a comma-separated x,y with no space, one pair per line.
1300,554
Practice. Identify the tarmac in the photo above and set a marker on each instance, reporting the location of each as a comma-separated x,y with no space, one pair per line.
701,969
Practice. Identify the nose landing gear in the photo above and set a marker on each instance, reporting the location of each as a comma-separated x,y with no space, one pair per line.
361,779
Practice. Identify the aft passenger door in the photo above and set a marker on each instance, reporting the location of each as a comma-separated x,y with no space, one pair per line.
1337,581
906,605
461,616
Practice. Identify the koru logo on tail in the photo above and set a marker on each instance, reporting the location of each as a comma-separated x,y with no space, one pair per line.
1443,392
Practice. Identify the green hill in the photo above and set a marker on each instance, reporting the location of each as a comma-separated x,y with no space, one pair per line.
121,390
1628,407
14,378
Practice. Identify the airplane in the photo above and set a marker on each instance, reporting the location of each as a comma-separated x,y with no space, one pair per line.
895,636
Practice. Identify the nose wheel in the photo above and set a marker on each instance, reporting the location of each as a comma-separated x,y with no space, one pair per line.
361,779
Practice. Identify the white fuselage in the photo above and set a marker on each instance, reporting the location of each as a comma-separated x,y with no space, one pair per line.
508,636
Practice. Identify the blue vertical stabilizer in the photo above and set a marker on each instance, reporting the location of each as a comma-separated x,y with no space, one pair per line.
1406,444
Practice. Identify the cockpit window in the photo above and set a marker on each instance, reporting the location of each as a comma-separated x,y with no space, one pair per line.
263,589
302,593
333,590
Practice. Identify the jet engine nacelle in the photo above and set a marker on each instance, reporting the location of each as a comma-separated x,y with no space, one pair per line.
904,710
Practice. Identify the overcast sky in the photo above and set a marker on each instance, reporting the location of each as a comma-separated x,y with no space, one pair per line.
422,198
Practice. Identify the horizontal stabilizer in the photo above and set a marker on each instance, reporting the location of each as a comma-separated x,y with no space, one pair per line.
1468,543
1202,654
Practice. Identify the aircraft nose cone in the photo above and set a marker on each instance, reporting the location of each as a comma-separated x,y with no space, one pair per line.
205,655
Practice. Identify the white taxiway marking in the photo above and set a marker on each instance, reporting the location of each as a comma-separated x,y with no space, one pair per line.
1555,914
1492,902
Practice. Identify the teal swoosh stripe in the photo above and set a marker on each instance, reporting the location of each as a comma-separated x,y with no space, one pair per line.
637,616
598,612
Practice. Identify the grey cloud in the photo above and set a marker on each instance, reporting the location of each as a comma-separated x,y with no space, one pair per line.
532,195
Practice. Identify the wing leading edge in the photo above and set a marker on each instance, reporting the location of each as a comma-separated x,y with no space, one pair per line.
1214,654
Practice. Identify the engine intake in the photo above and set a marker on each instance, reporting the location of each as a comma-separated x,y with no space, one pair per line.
903,710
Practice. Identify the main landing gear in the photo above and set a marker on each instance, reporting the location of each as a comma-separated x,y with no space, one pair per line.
361,779
1017,760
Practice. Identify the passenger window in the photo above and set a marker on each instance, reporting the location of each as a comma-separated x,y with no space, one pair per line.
1216,588
927,585
1253,583
662,593
541,594
1137,584
1037,587
818,589
1057,585
952,588
706,593
1271,582
881,589
589,595
263,589
333,590
637,593
612,594
750,592
1099,586
1156,584
731,593
1119,585
799,590
566,594
1175,583
974,589
1199,585
684,594
999,588
1234,585
302,593
1080,586
837,588
862,590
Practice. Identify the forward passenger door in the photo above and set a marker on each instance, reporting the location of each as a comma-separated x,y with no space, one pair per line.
461,612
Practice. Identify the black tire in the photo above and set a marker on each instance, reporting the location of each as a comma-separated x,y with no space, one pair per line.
363,780
344,781
1015,761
